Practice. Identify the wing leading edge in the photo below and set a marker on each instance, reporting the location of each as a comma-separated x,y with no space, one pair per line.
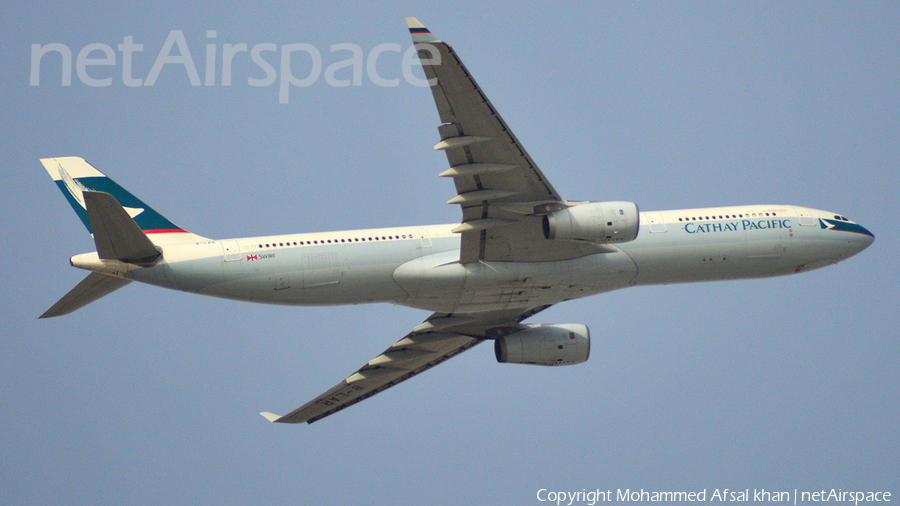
502,192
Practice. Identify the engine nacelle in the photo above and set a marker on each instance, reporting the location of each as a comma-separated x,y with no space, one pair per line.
542,344
597,222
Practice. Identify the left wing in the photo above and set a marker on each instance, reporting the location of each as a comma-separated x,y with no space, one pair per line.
441,337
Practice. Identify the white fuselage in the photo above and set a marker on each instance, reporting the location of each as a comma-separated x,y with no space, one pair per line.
419,266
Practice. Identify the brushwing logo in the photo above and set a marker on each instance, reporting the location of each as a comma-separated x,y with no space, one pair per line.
76,189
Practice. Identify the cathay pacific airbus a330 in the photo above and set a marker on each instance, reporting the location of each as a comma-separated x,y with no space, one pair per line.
520,248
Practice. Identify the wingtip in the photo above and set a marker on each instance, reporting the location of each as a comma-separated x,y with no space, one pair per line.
412,22
272,417
418,31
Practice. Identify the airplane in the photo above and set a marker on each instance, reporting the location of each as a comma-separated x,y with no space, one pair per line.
519,248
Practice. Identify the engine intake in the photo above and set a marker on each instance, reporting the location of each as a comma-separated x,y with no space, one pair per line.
597,222
542,344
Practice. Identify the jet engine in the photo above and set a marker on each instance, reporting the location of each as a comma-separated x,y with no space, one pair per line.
596,222
543,344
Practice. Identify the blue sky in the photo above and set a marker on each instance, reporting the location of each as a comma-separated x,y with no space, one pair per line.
151,397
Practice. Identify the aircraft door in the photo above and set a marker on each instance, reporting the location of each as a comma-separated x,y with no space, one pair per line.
231,251
655,222
806,218
424,239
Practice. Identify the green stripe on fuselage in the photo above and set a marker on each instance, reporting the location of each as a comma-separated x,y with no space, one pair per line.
843,226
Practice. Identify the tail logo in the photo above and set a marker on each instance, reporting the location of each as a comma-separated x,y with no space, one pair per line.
76,189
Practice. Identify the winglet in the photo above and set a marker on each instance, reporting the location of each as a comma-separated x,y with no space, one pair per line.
418,31
272,417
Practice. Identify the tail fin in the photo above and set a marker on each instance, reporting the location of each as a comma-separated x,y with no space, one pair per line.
121,225
74,176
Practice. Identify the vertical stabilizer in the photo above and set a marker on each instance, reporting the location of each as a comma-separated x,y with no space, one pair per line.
127,232
74,176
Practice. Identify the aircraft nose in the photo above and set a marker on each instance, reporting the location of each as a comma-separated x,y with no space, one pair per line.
867,238
845,238
859,239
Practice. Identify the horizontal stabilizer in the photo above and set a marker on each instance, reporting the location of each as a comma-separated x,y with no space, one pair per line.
116,235
93,287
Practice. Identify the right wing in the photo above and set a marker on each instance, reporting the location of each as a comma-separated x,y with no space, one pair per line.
440,337
502,192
